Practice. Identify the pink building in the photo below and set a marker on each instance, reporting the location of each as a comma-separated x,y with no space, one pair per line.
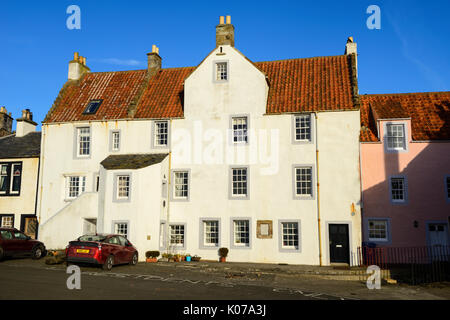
405,165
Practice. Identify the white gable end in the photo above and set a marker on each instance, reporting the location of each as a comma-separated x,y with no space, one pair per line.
244,91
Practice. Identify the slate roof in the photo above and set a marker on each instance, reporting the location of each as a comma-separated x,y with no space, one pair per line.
295,85
429,113
28,146
132,161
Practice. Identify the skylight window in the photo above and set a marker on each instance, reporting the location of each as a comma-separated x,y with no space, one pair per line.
92,107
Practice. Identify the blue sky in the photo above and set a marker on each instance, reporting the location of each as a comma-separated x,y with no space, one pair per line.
410,53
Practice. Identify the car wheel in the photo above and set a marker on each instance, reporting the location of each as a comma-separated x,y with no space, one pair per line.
38,252
1,253
108,263
134,259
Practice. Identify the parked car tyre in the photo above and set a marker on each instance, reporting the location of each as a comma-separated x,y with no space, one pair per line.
38,252
1,253
134,260
108,263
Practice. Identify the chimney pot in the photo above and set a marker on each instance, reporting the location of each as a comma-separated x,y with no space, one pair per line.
77,67
154,61
25,124
222,20
225,33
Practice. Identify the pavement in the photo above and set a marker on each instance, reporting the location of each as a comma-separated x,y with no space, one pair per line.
31,279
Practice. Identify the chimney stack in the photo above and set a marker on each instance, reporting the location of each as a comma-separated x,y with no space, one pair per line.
25,124
225,32
77,67
350,48
154,61
5,122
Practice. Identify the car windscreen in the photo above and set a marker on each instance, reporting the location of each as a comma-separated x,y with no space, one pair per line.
91,238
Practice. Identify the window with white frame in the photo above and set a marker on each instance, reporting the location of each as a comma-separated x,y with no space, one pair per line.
221,71
378,230
241,229
123,186
177,235
7,221
239,129
121,228
161,134
76,185
115,143
83,141
239,182
398,189
303,181
302,127
10,178
181,185
290,235
395,135
211,233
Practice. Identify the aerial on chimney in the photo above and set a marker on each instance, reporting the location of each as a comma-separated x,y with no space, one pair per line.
154,61
225,32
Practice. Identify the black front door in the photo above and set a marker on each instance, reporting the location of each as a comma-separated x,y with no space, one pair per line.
339,245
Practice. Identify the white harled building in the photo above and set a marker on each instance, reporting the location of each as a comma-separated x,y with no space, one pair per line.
258,157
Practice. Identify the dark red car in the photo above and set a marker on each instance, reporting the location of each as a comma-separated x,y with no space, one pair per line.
105,250
15,243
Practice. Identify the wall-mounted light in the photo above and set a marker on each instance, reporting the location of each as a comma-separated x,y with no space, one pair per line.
353,210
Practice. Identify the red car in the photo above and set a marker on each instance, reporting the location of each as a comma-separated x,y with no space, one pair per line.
15,243
104,250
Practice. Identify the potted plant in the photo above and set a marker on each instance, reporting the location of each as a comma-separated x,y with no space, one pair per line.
223,252
195,258
152,256
188,257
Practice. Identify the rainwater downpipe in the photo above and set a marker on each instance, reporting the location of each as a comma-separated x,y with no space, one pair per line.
169,189
318,190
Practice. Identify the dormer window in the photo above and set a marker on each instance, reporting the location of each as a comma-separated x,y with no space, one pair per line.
395,137
92,106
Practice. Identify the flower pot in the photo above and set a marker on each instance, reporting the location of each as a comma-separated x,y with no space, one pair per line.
152,260
223,259
188,259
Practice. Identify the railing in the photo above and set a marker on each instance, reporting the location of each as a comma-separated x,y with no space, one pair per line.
413,265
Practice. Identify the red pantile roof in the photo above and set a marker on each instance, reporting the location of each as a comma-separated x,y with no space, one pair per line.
429,113
311,84
117,89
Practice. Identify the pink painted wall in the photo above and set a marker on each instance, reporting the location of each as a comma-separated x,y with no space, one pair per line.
425,166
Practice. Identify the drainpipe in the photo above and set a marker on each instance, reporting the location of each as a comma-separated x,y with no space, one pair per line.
318,192
40,175
169,186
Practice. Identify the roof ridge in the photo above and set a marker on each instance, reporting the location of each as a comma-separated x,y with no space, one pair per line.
404,93
307,58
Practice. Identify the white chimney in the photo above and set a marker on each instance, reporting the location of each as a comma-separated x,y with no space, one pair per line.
77,67
351,48
25,124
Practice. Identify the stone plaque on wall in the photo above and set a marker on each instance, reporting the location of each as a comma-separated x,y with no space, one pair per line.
264,229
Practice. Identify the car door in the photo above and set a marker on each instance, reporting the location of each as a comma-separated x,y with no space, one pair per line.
114,248
127,251
21,243
7,241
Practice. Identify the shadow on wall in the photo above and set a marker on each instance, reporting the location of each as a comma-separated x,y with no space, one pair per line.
426,192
